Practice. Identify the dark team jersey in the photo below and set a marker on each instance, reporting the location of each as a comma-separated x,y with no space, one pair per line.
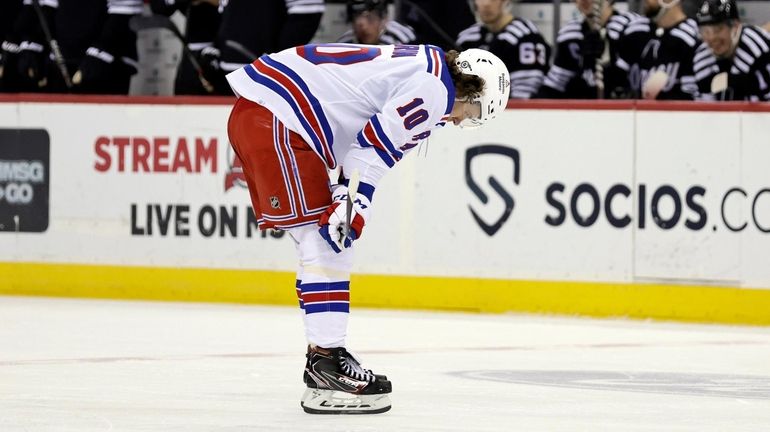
116,43
265,26
450,16
520,46
395,33
28,29
78,24
645,48
9,12
25,51
748,69
200,31
572,75
125,7
202,21
9,43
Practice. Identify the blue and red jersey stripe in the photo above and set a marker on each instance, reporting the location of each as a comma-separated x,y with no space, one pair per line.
372,135
287,84
437,67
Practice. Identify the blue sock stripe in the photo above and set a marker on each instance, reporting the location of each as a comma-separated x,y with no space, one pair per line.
325,286
327,307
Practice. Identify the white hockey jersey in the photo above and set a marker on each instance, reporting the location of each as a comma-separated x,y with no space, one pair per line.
361,106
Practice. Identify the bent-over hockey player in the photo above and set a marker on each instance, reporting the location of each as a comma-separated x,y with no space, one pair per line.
580,46
371,25
312,108
515,40
657,52
742,52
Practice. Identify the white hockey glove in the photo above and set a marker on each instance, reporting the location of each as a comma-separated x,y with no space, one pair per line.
334,220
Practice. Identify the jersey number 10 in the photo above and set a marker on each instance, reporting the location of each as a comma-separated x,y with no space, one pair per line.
411,115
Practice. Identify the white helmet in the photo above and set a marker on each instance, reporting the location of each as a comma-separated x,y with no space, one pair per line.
497,84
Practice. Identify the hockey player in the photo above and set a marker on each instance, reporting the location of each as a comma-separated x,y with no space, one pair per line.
656,52
201,27
9,45
580,44
372,26
515,40
111,59
26,50
78,24
437,22
742,52
309,109
251,28
98,48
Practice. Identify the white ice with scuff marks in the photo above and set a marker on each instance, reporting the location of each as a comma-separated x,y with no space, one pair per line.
86,365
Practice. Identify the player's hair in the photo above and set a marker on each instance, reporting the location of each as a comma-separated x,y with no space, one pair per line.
466,86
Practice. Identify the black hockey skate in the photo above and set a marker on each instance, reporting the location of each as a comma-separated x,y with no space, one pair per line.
337,384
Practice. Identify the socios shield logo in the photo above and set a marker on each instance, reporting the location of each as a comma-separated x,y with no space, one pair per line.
501,182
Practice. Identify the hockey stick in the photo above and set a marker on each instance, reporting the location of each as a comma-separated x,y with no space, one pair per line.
432,24
597,8
53,43
719,84
241,49
352,191
147,22
654,84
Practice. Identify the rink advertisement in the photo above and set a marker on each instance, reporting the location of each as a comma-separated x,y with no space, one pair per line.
639,210
24,173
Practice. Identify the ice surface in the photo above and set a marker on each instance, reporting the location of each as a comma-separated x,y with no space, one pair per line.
92,365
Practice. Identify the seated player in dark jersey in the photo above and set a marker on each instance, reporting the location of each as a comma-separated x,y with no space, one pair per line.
516,41
9,46
251,28
656,52
580,44
733,63
111,57
200,30
436,22
371,25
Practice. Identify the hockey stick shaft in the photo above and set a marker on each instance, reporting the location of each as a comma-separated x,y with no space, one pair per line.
597,7
58,58
146,22
432,24
241,49
352,192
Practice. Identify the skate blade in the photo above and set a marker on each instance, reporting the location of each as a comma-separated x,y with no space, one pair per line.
316,401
